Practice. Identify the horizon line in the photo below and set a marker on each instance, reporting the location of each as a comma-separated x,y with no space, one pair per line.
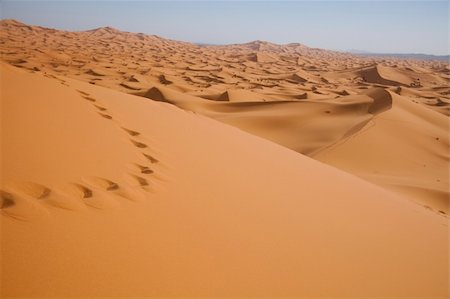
362,51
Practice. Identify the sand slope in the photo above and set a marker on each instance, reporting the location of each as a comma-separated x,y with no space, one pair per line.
377,135
136,198
304,126
414,140
303,98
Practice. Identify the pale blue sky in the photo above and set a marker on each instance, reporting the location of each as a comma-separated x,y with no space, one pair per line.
376,26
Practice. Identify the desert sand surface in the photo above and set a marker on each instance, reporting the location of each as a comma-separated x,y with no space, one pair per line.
136,166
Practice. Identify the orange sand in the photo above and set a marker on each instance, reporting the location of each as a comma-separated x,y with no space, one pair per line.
189,175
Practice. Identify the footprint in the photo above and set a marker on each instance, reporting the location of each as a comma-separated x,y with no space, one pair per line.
50,76
144,169
103,184
107,116
6,200
142,182
20,206
89,99
150,158
112,186
35,190
83,191
138,144
100,108
131,132
97,202
83,93
108,186
101,198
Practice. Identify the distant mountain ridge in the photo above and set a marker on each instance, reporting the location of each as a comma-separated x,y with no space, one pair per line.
256,45
418,56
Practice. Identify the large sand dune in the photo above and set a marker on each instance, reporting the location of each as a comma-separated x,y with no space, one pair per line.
135,166
129,197
317,98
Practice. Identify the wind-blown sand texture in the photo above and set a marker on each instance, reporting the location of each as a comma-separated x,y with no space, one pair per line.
202,171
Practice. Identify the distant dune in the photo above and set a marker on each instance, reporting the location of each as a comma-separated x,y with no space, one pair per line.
136,166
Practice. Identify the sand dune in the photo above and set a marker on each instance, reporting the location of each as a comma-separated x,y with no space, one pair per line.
420,134
137,166
400,135
319,124
136,226
323,81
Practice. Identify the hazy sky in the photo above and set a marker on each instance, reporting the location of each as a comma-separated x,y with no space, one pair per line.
377,26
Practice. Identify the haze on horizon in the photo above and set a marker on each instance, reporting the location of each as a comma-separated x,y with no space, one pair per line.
374,26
